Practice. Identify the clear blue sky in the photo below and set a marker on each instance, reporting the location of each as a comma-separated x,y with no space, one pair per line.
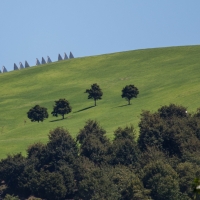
32,29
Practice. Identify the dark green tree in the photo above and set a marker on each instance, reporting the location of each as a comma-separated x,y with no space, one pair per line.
61,148
94,93
186,172
11,169
124,149
129,92
61,107
170,130
172,110
97,184
162,180
48,185
93,142
91,127
37,113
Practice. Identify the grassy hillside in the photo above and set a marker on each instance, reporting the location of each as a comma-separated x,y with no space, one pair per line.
163,76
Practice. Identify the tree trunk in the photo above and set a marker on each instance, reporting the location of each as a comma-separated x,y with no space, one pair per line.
95,102
129,102
63,116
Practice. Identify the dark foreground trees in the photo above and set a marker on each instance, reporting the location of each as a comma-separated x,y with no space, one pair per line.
37,113
94,93
129,92
61,107
161,164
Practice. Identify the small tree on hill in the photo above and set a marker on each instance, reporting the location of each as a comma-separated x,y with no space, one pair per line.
37,113
61,107
94,93
129,92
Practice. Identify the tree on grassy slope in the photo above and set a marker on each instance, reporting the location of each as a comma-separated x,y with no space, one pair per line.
129,92
37,113
94,93
61,107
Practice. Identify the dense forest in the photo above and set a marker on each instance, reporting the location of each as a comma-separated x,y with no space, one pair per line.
161,162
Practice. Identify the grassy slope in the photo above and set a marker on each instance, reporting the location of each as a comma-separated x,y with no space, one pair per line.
163,76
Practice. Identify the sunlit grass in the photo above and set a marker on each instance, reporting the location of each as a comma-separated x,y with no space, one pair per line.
163,76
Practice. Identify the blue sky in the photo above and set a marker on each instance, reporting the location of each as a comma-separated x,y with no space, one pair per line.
41,28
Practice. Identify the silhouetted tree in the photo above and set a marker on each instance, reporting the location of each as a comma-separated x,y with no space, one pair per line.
37,113
129,92
61,107
94,93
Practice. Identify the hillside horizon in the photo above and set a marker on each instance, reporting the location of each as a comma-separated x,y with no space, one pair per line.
162,75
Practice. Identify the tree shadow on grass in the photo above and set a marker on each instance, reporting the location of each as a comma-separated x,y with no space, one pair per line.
123,105
55,120
84,109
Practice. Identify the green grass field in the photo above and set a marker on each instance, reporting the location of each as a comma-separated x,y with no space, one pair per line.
163,76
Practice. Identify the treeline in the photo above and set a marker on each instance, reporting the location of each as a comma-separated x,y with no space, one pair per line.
161,163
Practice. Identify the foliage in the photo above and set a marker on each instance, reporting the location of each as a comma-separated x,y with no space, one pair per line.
161,164
91,127
97,185
37,113
125,150
136,191
10,170
172,111
61,107
11,197
94,93
94,144
48,185
61,149
129,92
187,171
161,179
196,188
173,133
33,198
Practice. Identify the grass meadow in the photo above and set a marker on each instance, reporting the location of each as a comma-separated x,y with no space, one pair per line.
162,75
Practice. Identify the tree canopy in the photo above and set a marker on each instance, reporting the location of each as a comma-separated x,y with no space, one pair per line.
37,113
129,92
161,164
61,107
94,93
